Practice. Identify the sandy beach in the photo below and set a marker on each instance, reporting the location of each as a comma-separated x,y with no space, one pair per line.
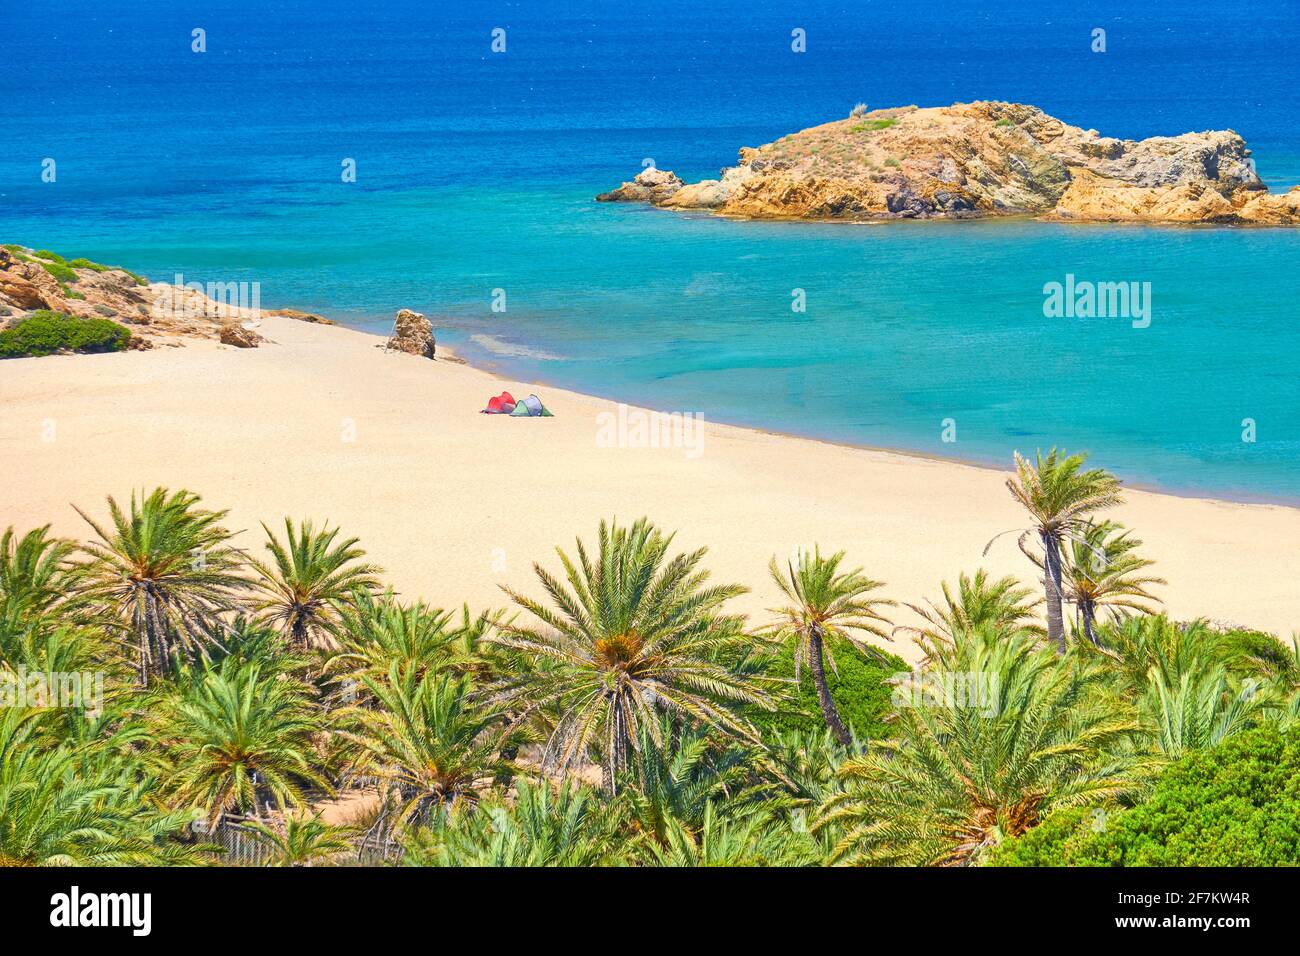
319,422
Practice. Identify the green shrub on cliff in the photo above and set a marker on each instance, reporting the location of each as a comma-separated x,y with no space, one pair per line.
1236,804
44,333
61,272
100,267
872,125
65,269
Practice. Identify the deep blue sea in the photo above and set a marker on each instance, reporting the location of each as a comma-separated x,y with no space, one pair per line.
476,171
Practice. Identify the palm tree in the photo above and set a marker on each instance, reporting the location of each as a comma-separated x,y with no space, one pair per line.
826,603
1101,570
635,635
803,764
65,805
565,826
35,573
993,743
1191,684
1003,604
77,668
239,738
1204,707
312,578
673,775
167,570
303,841
374,634
1134,649
429,738
759,838
1059,495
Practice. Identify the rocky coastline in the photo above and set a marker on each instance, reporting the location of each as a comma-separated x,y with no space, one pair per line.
159,313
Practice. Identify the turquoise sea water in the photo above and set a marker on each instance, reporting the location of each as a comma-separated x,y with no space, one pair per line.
476,172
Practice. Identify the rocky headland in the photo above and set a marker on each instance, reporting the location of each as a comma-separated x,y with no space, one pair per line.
155,314
983,159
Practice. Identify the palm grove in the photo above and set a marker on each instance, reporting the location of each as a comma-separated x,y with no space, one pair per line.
625,716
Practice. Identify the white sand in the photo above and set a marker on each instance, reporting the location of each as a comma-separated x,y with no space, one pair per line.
454,504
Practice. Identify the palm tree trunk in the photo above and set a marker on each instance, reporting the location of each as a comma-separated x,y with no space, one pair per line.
824,699
1052,584
504,778
1089,614
614,749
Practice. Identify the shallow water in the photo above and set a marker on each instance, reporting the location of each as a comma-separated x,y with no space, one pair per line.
476,172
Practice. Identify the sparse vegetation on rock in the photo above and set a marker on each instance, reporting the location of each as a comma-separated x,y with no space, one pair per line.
981,159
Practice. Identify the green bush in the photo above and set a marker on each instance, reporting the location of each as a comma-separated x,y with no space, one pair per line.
1235,804
857,686
44,333
100,267
1053,841
1005,122
63,269
872,125
1258,653
60,271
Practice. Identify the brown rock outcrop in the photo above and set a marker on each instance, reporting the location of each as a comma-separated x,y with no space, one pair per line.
302,316
232,333
1274,209
979,159
24,284
650,185
413,334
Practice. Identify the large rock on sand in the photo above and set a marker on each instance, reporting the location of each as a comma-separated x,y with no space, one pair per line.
232,333
413,334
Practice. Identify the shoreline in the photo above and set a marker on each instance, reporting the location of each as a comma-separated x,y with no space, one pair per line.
986,464
319,422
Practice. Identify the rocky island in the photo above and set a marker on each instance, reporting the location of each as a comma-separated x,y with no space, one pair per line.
980,159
